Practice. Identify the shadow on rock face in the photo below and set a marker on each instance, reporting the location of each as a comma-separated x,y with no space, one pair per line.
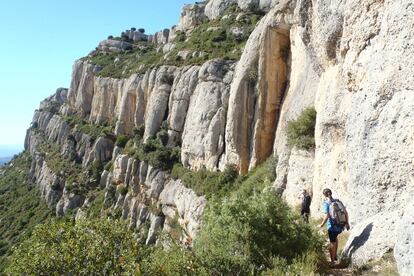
359,241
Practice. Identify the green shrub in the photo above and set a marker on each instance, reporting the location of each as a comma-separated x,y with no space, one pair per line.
121,141
208,183
52,107
180,36
218,43
109,166
172,261
305,264
85,248
96,170
151,145
301,132
94,211
204,182
139,131
243,234
92,130
162,136
123,190
229,174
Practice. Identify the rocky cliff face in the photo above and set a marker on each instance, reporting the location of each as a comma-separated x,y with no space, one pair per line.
351,60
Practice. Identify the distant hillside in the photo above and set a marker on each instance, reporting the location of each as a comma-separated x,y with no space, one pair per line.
4,160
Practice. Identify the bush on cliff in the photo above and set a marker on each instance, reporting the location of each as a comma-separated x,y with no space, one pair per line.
121,141
246,234
89,247
247,229
205,182
301,132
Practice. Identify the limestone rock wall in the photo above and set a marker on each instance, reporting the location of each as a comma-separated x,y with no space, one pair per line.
349,60
203,134
51,128
154,200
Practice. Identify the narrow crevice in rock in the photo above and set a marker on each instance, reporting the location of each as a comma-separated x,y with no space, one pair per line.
274,74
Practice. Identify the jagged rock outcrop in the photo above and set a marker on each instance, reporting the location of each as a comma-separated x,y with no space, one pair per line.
359,131
176,200
58,98
153,199
192,15
81,88
111,45
68,201
48,182
216,8
300,175
101,151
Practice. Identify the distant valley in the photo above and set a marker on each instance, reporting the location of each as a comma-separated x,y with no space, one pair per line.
7,152
4,160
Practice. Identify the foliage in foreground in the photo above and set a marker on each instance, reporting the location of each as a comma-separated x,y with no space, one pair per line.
21,207
243,235
301,132
89,247
247,231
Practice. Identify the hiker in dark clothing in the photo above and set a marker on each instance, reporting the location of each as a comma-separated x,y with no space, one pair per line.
305,206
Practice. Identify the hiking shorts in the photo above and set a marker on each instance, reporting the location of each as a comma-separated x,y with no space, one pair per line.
333,235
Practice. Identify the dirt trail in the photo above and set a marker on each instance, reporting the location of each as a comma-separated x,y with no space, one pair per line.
339,269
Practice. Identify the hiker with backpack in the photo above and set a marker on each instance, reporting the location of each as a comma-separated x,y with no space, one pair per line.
336,218
305,206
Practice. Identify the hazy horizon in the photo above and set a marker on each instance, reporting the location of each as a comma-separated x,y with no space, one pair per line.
10,150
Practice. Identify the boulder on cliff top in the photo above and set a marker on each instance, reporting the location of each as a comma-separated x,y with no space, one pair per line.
111,45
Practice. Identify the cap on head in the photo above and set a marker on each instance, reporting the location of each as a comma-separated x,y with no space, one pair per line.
327,192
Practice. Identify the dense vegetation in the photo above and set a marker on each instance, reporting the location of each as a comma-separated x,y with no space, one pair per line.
154,150
79,180
21,207
247,230
87,247
220,38
301,132
92,130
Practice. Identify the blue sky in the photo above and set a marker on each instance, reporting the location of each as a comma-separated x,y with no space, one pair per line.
41,39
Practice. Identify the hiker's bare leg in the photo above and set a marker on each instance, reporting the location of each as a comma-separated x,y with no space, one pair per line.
332,250
336,249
